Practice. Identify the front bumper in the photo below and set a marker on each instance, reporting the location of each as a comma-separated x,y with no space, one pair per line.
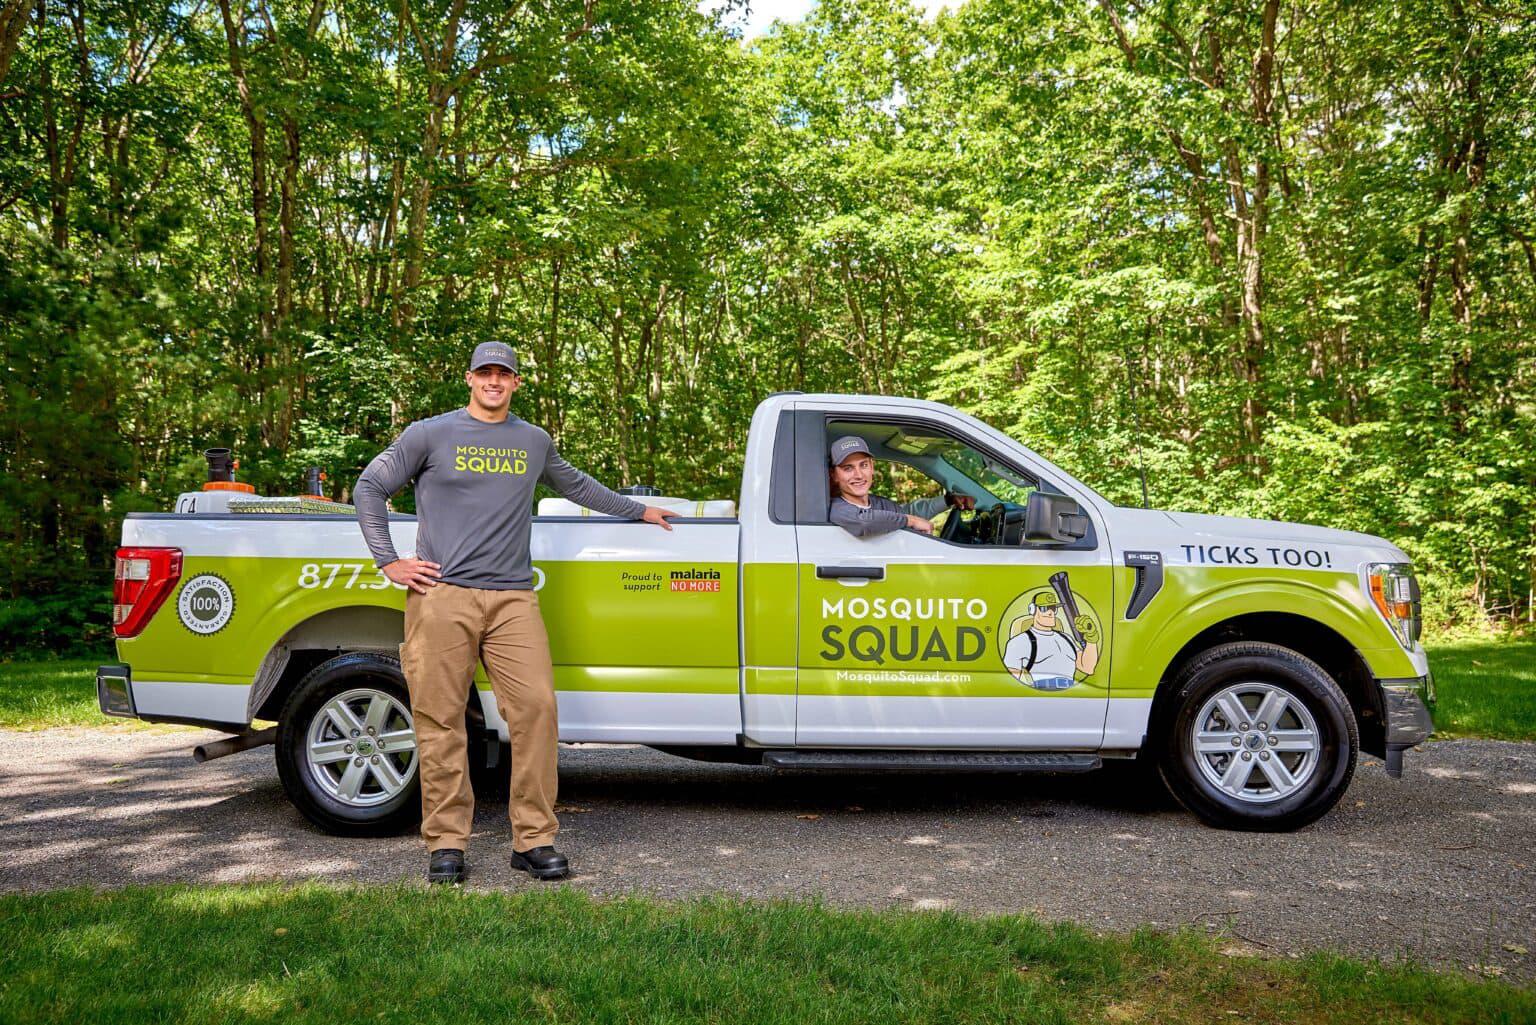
1406,706
114,690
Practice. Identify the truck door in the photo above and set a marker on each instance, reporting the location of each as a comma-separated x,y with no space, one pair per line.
770,575
971,638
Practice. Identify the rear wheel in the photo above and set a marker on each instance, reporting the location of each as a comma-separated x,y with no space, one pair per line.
346,747
1257,737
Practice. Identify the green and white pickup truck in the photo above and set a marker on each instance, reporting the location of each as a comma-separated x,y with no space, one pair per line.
1044,631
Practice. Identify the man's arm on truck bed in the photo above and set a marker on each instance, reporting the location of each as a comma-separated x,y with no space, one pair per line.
390,471
584,491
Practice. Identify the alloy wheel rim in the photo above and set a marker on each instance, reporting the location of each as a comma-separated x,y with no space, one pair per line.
1256,742
361,747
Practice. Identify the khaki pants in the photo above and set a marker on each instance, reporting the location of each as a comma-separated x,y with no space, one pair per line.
447,630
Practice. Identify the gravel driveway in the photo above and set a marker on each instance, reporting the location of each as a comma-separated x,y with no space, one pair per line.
1440,865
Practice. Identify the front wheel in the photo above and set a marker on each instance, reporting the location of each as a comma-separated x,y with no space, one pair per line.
1257,737
346,747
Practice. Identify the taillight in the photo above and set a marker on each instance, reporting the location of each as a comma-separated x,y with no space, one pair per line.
144,578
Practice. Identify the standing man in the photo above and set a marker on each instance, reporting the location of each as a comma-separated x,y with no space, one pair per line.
471,599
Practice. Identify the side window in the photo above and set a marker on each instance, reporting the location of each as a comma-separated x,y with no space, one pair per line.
902,483
921,463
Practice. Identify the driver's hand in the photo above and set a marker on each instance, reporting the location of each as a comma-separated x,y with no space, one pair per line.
919,524
960,501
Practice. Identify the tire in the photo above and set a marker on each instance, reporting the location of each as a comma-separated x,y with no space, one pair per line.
318,767
1298,765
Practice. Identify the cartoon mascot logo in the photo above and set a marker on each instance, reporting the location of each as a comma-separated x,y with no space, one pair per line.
1050,637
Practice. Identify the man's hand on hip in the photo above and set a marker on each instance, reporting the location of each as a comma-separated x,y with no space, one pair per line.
658,516
417,574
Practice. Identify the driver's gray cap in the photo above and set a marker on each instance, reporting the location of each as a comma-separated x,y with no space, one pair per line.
493,354
846,446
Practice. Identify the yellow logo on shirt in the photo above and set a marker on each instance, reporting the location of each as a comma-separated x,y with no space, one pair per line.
479,459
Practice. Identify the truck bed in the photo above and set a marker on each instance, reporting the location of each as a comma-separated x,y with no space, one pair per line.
643,622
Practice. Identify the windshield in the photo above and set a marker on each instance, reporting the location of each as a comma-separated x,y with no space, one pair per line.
934,457
1000,482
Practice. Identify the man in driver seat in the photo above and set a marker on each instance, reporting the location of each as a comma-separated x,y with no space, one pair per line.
864,515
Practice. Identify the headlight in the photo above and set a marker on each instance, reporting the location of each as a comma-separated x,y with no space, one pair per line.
1395,592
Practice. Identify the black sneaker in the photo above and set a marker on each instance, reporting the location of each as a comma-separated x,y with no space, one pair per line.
446,866
541,863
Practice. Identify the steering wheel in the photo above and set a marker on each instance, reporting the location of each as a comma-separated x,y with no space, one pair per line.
988,527
985,527
951,525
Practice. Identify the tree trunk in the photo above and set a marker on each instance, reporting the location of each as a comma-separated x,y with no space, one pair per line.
291,369
1429,273
1252,228
63,157
13,21
438,62
1473,163
256,129
620,407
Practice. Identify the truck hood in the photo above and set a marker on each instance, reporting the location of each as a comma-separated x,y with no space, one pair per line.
1238,528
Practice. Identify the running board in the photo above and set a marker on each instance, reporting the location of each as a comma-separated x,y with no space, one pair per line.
934,761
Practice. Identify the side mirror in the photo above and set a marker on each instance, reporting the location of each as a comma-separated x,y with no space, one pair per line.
1054,518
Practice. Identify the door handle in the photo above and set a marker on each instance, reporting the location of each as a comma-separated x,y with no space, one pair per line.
850,572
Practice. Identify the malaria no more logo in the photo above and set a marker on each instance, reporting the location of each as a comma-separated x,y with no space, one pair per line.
205,604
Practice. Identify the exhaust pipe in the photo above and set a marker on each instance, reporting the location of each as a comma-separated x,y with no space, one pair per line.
221,465
233,745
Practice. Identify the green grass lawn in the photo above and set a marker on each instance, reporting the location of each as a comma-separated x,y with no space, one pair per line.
1486,688
405,954
42,694
36,695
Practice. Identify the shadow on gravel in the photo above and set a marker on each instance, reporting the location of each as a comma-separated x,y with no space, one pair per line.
1438,864
226,818
681,784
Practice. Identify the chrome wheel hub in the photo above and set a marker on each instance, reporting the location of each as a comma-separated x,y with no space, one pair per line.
361,747
1256,742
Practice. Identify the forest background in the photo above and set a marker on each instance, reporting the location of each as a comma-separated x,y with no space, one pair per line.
1279,253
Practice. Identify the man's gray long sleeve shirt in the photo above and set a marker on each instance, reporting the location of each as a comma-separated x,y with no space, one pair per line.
474,496
881,516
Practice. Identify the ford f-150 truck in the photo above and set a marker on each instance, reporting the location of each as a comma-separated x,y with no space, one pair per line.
1044,630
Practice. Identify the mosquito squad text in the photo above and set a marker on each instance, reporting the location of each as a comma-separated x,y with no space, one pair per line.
909,629
479,459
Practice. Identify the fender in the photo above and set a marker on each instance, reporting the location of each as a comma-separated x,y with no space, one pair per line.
357,627
1333,600
297,607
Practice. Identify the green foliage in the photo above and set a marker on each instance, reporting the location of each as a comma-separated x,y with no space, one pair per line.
68,622
1287,265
